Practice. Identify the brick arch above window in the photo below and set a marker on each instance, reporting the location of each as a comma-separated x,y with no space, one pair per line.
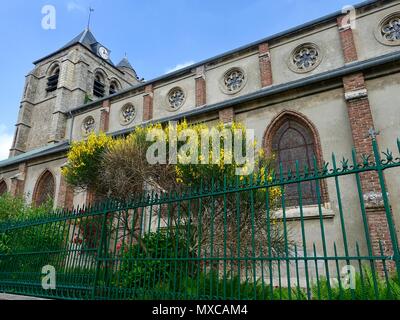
3,187
291,136
45,188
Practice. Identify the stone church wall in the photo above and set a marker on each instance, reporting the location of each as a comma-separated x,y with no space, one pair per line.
366,27
385,102
328,42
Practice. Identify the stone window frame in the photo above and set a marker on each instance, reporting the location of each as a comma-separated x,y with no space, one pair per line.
83,131
104,81
102,73
51,71
294,68
52,67
378,30
37,190
121,120
2,184
269,134
117,84
222,84
169,107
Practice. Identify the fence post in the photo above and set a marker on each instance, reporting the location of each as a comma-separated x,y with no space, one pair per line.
386,203
102,243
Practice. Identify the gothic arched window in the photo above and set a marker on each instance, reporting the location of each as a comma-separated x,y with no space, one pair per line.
45,189
52,80
114,87
3,187
293,140
99,85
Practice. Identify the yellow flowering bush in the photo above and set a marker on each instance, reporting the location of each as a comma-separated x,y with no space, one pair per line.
125,171
84,158
226,166
220,213
120,169
109,165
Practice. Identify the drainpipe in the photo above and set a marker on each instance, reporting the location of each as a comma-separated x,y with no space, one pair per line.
72,126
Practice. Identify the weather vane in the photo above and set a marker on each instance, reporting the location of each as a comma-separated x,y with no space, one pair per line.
90,16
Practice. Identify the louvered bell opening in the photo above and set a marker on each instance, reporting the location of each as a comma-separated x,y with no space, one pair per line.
52,83
112,91
98,89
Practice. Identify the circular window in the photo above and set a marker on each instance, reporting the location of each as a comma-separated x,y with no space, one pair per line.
388,31
305,58
88,126
127,114
176,98
233,81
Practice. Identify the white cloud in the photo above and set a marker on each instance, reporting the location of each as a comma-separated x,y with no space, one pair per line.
5,142
180,66
74,6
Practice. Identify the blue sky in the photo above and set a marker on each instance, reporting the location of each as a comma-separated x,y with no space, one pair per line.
157,35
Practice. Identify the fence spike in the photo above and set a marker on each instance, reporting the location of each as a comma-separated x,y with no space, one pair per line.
335,169
280,172
354,157
297,169
398,145
316,169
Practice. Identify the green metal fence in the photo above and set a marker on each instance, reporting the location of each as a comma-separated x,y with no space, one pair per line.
220,240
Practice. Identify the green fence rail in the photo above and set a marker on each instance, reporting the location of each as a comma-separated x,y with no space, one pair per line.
253,238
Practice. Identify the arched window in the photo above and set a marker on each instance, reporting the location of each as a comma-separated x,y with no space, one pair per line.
52,80
3,187
114,87
45,189
99,85
291,138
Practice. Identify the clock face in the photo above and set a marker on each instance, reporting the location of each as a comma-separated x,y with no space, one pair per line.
103,52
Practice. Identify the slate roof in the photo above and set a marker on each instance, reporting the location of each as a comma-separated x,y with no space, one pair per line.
85,38
125,64
43,151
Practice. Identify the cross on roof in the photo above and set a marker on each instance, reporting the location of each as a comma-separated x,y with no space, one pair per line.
90,16
372,133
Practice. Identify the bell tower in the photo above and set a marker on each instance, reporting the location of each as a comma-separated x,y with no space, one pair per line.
62,81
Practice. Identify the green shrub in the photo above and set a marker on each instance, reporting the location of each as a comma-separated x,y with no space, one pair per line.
4,244
43,239
14,209
90,230
147,264
368,286
211,286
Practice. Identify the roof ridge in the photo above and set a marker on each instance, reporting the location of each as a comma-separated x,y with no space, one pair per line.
83,35
125,63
